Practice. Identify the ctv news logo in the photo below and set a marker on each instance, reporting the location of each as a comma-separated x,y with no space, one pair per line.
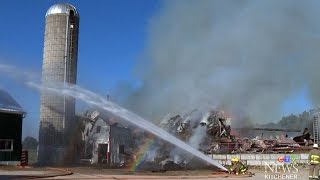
284,168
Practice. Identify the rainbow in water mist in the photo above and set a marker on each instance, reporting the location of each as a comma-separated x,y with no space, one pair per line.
102,102
141,154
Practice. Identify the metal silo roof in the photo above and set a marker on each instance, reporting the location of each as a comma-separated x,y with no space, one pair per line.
8,104
62,8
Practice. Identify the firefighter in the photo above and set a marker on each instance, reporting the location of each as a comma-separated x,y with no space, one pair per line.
314,162
237,166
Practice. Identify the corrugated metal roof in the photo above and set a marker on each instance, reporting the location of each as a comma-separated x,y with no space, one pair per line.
8,104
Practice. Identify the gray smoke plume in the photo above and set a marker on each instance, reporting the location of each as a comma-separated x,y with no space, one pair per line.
245,56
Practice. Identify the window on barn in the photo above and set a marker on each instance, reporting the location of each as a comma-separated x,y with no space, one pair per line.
6,145
98,129
121,149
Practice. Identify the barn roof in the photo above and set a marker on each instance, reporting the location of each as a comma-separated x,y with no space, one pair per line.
8,104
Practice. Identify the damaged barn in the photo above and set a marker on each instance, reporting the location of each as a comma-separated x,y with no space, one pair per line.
200,130
105,141
211,133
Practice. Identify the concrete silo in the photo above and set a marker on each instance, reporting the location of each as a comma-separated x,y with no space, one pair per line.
60,56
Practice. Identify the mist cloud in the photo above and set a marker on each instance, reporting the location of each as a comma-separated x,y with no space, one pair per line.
17,74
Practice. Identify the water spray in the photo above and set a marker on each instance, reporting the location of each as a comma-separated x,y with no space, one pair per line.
102,102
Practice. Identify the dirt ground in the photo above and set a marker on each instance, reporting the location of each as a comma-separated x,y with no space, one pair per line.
102,173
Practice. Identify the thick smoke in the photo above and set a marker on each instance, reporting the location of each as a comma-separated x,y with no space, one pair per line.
247,57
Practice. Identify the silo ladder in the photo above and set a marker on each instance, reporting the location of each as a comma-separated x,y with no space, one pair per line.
316,129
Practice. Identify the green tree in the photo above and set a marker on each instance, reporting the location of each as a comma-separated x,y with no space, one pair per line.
30,143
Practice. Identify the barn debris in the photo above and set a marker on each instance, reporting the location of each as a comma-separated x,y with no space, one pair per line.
214,134
105,141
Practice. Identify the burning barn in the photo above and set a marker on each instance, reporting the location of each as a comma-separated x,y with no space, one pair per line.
200,130
211,133
105,141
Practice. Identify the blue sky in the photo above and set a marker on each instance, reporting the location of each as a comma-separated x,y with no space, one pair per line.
298,102
112,36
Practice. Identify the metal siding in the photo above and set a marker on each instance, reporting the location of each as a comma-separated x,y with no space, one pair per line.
11,128
119,136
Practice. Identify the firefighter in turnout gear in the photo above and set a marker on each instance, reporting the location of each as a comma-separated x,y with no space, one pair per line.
237,166
314,162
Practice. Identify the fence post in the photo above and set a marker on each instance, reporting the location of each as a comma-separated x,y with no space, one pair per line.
24,158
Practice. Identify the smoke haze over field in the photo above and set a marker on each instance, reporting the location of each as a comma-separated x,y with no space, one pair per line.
247,56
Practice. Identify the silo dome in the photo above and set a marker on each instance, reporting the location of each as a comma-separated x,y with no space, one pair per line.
62,8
